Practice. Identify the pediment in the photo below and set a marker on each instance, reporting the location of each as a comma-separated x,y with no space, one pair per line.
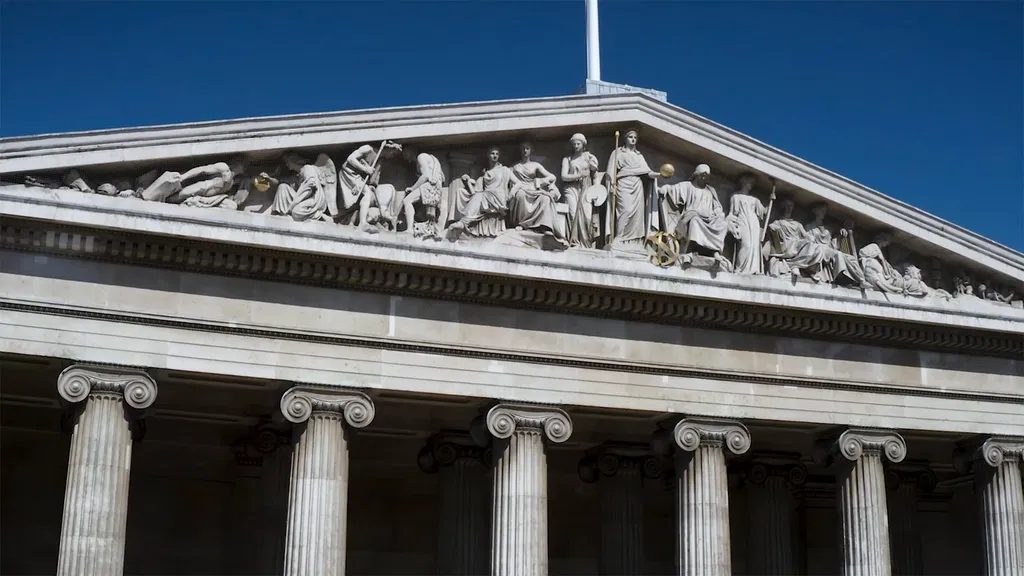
949,259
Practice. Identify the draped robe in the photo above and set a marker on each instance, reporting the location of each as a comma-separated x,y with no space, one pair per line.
580,212
316,185
630,201
532,203
484,213
745,214
800,248
695,215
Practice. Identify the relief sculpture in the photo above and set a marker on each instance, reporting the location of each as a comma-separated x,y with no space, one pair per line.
466,196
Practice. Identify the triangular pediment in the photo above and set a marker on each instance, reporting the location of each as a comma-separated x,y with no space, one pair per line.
949,258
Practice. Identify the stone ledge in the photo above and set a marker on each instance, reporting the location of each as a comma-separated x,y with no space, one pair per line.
490,287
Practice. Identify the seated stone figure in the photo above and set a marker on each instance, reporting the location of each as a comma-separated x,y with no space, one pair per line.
533,196
312,194
694,214
488,200
796,249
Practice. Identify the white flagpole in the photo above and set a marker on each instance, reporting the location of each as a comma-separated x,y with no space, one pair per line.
593,42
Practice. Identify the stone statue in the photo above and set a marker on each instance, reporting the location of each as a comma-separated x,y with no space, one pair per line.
694,215
579,171
913,284
744,221
533,196
489,199
883,277
626,170
795,249
205,186
312,195
357,181
427,192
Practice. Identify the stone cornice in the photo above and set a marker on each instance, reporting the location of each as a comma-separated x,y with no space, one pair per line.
493,285
49,152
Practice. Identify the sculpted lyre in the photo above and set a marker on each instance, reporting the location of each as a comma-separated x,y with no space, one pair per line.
694,214
579,172
627,168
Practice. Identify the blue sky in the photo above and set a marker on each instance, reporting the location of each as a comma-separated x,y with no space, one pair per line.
920,100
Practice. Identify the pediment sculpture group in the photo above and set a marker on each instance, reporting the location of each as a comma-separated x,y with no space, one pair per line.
623,209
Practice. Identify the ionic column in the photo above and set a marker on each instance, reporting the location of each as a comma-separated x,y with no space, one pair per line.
772,505
998,485
905,485
620,470
702,494
465,503
106,401
862,505
318,486
519,536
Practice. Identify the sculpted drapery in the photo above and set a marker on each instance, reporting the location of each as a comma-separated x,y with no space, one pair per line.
533,196
744,220
578,173
629,167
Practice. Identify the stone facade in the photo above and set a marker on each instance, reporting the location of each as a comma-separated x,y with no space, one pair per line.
570,336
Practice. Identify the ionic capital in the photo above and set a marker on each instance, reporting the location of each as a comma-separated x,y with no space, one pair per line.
300,402
857,442
692,433
611,458
504,420
446,448
76,383
998,450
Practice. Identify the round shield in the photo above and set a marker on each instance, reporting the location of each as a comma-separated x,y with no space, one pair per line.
596,195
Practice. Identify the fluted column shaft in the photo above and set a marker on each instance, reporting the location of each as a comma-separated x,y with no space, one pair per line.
1002,505
519,537
318,485
772,506
862,503
702,496
96,495
463,536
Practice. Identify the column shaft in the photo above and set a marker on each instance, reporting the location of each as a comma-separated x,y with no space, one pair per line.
519,536
99,465
462,541
1001,498
96,496
519,541
703,542
318,484
318,499
622,523
772,529
864,518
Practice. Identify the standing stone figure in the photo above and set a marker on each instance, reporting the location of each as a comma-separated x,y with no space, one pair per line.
427,191
358,179
578,174
626,170
489,200
796,248
313,195
694,214
532,202
745,215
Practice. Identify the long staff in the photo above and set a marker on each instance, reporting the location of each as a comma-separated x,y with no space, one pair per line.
373,169
614,191
768,213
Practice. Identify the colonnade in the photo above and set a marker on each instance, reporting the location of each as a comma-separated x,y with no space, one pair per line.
511,440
